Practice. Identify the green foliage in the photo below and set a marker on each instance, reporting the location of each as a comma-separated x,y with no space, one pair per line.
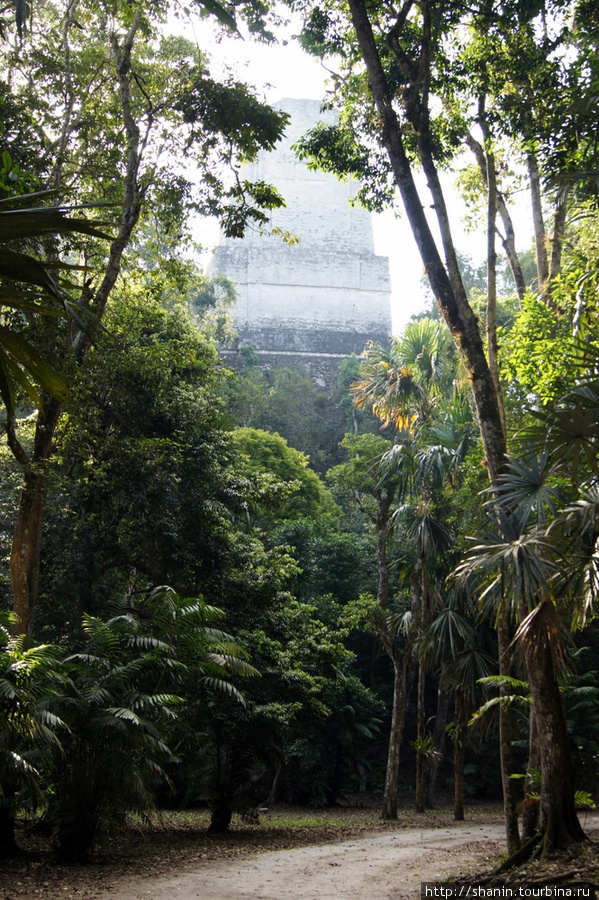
399,384
360,613
112,751
361,473
296,490
288,402
30,682
119,696
305,691
140,483
538,350
334,564
29,287
342,150
65,116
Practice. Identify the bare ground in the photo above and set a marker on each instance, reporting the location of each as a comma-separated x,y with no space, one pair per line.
351,857
380,867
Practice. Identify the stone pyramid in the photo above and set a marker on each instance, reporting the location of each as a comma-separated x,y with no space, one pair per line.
318,300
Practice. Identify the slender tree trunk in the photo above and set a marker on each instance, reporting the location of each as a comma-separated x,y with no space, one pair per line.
27,535
508,242
510,806
421,755
274,789
459,755
382,534
530,805
438,746
557,238
508,239
538,222
492,282
398,716
25,551
399,658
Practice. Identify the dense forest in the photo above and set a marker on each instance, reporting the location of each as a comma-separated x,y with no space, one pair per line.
232,588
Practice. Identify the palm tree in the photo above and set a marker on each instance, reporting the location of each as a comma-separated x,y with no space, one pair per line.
376,476
460,647
519,567
390,387
405,387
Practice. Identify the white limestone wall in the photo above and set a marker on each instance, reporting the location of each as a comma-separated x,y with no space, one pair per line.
329,288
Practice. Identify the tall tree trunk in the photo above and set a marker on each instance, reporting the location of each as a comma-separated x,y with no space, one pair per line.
510,806
459,755
530,805
538,222
492,282
557,238
400,659
421,755
438,746
382,536
27,535
398,715
273,794
558,821
508,242
508,238
446,285
25,550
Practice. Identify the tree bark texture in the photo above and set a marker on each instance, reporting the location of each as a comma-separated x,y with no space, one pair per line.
27,535
459,754
492,349
558,821
557,237
447,287
398,714
421,755
530,805
510,807
508,238
439,736
538,222
384,500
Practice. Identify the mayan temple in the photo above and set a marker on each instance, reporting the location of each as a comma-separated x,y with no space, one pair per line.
314,302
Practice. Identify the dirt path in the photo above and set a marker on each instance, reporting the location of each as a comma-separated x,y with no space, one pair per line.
380,867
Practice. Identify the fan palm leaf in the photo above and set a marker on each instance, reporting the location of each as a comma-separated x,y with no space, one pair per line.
528,487
423,347
390,388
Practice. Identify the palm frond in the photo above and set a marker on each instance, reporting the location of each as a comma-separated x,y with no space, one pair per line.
529,487
495,702
542,635
224,687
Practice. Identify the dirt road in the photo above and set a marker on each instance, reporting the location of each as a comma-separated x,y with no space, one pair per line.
380,867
